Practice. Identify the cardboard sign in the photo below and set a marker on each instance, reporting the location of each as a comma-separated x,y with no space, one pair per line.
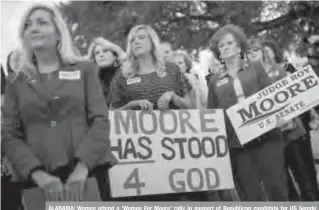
285,99
169,152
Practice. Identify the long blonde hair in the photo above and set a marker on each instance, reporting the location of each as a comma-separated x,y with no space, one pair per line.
65,47
130,70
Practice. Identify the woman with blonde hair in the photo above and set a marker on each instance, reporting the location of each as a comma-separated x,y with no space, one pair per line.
146,81
108,57
199,87
55,125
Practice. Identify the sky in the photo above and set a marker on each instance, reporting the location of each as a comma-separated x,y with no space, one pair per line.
9,11
10,17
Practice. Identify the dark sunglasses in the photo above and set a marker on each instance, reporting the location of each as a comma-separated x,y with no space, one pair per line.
255,49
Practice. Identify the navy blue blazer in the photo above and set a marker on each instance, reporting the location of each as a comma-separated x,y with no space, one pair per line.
51,128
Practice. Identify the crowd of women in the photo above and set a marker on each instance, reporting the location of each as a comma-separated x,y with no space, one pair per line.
55,123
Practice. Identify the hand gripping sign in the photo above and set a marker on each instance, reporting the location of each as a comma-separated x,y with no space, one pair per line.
169,152
283,100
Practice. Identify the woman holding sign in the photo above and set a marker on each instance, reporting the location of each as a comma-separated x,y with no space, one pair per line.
148,83
258,166
293,131
55,123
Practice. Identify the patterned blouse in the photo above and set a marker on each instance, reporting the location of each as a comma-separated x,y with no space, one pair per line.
148,86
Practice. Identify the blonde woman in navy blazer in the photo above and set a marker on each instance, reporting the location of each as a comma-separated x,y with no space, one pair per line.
55,126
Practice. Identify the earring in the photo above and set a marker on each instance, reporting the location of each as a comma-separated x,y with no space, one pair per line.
245,61
223,67
33,59
59,45
221,60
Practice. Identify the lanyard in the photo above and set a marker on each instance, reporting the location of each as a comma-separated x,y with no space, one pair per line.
239,90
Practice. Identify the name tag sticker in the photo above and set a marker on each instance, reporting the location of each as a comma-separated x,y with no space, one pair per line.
133,80
222,82
70,75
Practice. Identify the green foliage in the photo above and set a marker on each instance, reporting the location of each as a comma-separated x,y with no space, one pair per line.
189,24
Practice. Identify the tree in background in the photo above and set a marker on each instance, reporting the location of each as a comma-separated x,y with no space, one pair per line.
190,24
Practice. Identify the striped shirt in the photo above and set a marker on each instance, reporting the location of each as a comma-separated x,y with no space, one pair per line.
148,86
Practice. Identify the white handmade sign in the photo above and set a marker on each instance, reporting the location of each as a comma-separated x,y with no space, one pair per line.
169,152
285,99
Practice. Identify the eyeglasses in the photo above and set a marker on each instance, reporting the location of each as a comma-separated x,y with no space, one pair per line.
255,49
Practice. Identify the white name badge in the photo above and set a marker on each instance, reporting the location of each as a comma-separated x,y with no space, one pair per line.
70,75
133,80
222,82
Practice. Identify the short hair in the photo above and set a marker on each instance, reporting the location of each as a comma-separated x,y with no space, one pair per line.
275,47
238,34
65,49
130,70
186,57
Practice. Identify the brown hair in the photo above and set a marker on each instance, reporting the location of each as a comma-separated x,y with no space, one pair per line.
236,31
